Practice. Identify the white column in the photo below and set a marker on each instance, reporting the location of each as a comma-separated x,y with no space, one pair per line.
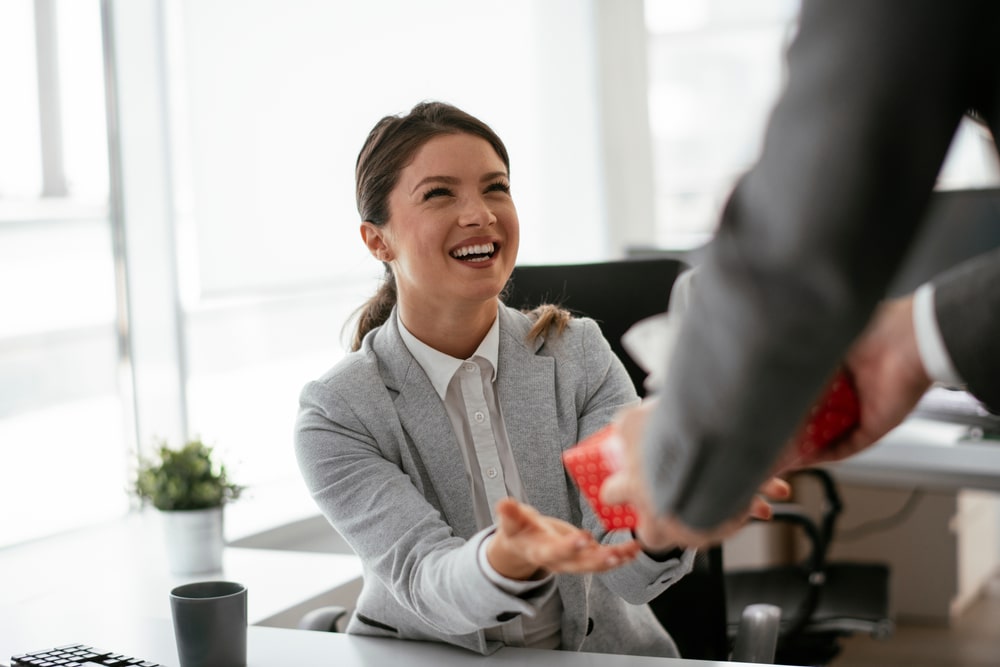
624,123
142,212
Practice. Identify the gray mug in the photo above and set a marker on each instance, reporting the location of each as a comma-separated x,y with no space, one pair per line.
210,623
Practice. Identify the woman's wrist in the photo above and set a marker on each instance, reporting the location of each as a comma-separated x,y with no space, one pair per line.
507,562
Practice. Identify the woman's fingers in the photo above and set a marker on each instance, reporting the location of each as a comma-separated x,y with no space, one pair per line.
776,489
591,558
508,517
556,545
761,509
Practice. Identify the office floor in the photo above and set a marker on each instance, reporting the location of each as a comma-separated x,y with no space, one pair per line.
973,640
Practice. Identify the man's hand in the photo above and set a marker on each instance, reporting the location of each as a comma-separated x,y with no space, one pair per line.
889,378
528,545
658,533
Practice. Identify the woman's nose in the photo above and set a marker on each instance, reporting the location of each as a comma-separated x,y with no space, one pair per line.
476,212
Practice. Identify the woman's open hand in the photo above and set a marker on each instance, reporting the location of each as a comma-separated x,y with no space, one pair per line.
529,545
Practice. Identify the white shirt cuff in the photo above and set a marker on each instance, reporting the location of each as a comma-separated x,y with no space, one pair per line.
933,353
512,586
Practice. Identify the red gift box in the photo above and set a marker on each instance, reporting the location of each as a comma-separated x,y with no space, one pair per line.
833,417
598,456
590,462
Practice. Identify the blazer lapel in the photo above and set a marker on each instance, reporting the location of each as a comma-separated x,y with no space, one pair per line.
429,431
527,391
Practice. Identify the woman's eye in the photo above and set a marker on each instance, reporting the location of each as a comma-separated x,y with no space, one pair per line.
436,192
499,186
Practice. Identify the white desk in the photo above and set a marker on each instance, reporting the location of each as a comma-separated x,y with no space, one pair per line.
122,565
153,639
926,454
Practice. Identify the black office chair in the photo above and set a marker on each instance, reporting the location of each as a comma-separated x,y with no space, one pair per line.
821,601
616,294
324,619
693,610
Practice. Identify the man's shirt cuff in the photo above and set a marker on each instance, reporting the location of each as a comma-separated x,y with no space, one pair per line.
933,353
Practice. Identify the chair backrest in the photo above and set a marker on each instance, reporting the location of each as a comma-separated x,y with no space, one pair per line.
617,294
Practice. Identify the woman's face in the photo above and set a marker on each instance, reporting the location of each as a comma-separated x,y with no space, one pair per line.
452,234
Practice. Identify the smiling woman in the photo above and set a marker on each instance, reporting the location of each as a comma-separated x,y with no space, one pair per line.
436,165
452,241
426,444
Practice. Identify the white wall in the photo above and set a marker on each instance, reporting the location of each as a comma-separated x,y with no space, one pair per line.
271,101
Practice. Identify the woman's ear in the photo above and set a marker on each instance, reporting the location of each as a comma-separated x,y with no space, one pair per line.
375,240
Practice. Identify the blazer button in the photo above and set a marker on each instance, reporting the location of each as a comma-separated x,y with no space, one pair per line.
507,615
590,625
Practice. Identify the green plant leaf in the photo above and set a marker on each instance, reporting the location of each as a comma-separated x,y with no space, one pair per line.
184,479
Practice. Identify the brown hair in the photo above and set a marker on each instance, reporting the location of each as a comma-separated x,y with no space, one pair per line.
390,146
548,316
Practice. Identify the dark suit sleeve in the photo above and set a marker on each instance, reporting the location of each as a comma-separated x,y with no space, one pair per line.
967,306
808,242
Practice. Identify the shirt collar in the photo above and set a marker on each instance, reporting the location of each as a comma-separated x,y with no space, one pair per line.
440,367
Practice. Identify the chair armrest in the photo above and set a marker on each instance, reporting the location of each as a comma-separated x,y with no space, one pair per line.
323,619
796,515
831,498
757,635
820,535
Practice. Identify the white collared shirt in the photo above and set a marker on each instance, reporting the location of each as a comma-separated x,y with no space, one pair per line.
467,389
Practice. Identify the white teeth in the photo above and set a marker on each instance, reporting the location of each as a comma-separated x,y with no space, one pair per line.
482,249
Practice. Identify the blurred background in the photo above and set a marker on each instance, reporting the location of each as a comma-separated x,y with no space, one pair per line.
179,250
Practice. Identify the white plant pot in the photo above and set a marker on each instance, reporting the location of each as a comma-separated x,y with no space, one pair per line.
194,540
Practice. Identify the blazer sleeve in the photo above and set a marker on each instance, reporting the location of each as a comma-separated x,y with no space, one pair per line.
808,242
341,433
967,307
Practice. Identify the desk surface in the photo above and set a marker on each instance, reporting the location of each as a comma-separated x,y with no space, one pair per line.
153,639
123,565
927,454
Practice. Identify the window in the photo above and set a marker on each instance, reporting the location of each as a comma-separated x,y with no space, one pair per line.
235,136
708,58
268,246
63,437
716,68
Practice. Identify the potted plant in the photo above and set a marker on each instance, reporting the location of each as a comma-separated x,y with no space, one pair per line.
189,488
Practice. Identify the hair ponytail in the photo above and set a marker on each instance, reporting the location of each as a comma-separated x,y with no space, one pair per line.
549,318
376,310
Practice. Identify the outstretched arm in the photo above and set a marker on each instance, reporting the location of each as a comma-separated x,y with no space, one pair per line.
808,243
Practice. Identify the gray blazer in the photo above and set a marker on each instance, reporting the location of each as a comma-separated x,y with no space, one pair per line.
379,456
813,234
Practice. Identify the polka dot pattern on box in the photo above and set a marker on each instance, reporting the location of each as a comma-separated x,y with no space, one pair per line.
588,467
832,418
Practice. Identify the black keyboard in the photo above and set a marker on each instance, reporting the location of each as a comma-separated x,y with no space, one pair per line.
78,655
